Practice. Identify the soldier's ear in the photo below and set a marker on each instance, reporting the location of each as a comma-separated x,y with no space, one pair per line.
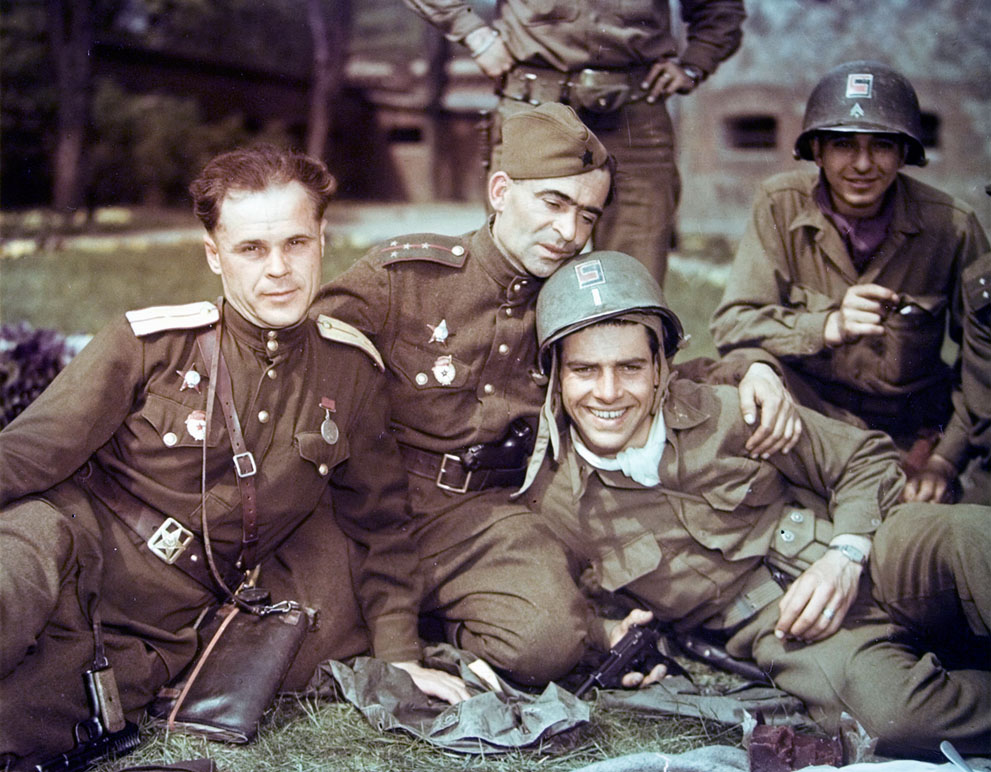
816,146
212,256
499,184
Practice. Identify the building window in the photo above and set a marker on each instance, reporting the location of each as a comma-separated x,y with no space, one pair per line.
751,132
930,130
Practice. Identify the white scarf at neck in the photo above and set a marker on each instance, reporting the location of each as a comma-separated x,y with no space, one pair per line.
639,464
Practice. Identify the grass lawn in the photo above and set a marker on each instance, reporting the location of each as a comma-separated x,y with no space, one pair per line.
77,288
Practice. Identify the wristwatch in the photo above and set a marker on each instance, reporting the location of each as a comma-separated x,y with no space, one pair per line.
851,552
692,72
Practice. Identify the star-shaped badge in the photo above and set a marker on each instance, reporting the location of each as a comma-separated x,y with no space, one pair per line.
439,333
190,379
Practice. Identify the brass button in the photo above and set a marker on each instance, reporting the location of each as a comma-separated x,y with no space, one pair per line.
272,334
421,379
271,373
797,517
509,312
263,416
323,469
488,388
272,346
457,250
503,349
170,438
786,535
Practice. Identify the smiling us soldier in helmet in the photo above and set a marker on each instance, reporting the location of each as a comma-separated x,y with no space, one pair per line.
645,478
848,274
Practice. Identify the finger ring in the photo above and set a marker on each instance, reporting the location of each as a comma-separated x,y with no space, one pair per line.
828,613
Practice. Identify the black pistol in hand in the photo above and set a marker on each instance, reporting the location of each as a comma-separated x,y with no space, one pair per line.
636,651
104,735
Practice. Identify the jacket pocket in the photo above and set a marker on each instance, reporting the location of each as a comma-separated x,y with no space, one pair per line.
799,540
319,454
181,426
913,336
425,369
620,566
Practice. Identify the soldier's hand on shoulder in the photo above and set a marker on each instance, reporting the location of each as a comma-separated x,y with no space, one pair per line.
763,395
436,683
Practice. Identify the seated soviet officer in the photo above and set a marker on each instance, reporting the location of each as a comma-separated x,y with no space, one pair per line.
453,318
100,478
849,273
644,477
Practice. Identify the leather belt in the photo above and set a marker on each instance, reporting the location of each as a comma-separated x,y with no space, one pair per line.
167,539
760,589
536,85
449,473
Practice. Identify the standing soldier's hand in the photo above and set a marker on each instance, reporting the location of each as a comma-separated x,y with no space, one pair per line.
489,52
666,78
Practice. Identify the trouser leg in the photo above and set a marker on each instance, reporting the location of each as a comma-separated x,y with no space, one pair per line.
313,567
880,673
506,595
931,568
640,219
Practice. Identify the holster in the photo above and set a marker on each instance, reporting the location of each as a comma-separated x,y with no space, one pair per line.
236,675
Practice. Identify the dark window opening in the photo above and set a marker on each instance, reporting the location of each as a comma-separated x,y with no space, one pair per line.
405,134
930,130
752,132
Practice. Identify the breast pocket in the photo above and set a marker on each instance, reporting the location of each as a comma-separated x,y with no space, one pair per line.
913,336
177,425
318,454
622,565
428,369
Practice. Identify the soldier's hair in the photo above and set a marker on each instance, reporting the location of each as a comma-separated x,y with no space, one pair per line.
255,168
652,341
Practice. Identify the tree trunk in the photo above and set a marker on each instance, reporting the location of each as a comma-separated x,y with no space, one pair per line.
70,28
329,58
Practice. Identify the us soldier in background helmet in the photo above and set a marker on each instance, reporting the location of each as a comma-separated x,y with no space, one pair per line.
645,478
849,273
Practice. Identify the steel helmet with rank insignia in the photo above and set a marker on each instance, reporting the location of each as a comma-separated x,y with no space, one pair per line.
599,286
593,288
867,98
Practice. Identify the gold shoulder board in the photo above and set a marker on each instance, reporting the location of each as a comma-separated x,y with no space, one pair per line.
342,332
146,321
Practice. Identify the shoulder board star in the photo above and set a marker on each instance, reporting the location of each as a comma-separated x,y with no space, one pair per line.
190,316
432,247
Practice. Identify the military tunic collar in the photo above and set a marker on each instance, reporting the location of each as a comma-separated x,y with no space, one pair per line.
520,288
266,341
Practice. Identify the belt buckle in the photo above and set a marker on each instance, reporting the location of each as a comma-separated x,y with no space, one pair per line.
443,470
244,464
169,541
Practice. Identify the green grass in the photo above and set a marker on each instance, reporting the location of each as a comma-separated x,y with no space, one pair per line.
305,735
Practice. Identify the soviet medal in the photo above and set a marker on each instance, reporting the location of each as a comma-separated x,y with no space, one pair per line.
328,429
196,425
443,370
190,379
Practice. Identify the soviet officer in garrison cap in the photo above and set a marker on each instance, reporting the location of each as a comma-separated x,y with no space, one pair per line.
453,318
850,272
102,527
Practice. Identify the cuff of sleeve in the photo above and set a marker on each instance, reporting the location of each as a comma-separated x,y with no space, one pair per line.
395,638
810,330
698,56
953,445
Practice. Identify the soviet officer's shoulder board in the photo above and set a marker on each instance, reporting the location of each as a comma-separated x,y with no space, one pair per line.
432,247
190,316
342,332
